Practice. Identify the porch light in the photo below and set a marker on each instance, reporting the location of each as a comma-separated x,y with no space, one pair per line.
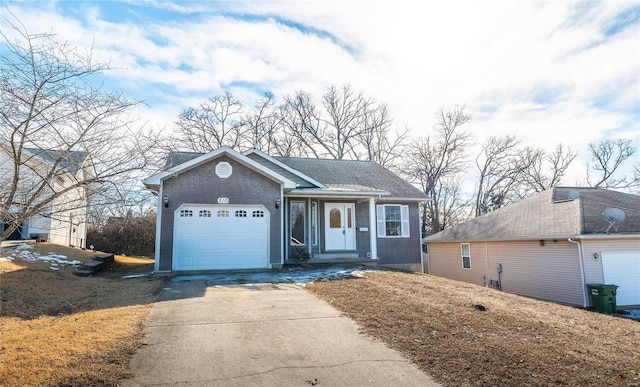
165,201
277,203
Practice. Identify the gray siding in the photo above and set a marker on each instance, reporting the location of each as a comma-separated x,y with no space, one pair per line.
363,242
202,186
402,251
550,272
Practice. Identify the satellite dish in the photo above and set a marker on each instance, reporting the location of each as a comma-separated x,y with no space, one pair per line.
614,216
573,194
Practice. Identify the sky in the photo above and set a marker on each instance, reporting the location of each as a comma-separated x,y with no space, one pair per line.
548,72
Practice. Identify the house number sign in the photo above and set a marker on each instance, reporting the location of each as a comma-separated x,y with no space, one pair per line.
223,200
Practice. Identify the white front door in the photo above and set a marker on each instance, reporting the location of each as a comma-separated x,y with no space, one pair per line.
339,219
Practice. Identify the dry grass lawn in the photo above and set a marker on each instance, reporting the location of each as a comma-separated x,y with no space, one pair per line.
517,341
62,329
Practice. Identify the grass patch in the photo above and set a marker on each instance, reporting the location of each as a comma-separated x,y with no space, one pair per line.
62,329
439,325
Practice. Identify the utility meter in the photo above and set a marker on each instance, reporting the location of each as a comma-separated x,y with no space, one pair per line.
499,268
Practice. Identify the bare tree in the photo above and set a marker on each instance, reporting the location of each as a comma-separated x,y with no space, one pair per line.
348,125
433,160
214,123
63,140
262,124
547,171
608,158
302,124
378,142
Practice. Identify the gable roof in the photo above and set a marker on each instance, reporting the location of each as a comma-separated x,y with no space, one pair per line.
194,160
550,214
68,161
328,176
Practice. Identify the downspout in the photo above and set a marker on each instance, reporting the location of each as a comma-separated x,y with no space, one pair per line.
156,253
421,256
582,278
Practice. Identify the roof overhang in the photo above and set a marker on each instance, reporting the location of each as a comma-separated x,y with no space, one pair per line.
153,182
284,166
536,238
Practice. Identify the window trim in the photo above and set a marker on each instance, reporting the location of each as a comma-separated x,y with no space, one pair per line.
405,228
463,256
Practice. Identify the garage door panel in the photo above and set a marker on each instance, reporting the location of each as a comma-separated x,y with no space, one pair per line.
221,242
623,269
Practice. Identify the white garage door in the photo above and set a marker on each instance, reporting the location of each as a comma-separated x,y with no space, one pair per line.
623,269
210,237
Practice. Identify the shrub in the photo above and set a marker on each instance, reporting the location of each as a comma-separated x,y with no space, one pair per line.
131,235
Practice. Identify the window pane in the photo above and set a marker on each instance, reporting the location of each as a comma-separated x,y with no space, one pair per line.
465,249
349,218
297,223
241,214
466,262
314,223
393,220
335,219
222,214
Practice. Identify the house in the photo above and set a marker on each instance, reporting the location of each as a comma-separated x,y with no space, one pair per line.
63,220
226,210
548,246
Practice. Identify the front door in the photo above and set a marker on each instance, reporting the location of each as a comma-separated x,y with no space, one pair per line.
339,219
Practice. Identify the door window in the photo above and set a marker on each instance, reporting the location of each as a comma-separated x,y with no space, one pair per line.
335,218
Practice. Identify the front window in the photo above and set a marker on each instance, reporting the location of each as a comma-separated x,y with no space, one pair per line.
466,255
393,220
297,217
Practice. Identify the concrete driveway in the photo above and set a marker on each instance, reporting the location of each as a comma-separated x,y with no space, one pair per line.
260,335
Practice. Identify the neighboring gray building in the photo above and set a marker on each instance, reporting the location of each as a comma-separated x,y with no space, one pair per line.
226,210
549,246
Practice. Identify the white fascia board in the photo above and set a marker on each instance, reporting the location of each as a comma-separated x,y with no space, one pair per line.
537,238
320,193
608,236
396,199
284,166
155,180
510,239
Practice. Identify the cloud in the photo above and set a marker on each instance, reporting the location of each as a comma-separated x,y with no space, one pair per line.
549,72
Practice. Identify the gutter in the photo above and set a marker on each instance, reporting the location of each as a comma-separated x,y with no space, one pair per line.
582,278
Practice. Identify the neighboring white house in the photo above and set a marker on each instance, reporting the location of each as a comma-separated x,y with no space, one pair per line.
549,246
62,221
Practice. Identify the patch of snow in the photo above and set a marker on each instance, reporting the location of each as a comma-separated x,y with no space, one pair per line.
24,253
633,314
295,276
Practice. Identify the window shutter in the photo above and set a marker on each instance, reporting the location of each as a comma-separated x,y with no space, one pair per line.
405,221
381,225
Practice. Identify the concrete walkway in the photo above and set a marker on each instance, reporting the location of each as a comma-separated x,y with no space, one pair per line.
260,335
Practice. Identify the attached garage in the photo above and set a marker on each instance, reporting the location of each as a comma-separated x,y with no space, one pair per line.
623,269
220,237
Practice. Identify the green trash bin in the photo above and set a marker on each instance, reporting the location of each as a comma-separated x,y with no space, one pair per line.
603,297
